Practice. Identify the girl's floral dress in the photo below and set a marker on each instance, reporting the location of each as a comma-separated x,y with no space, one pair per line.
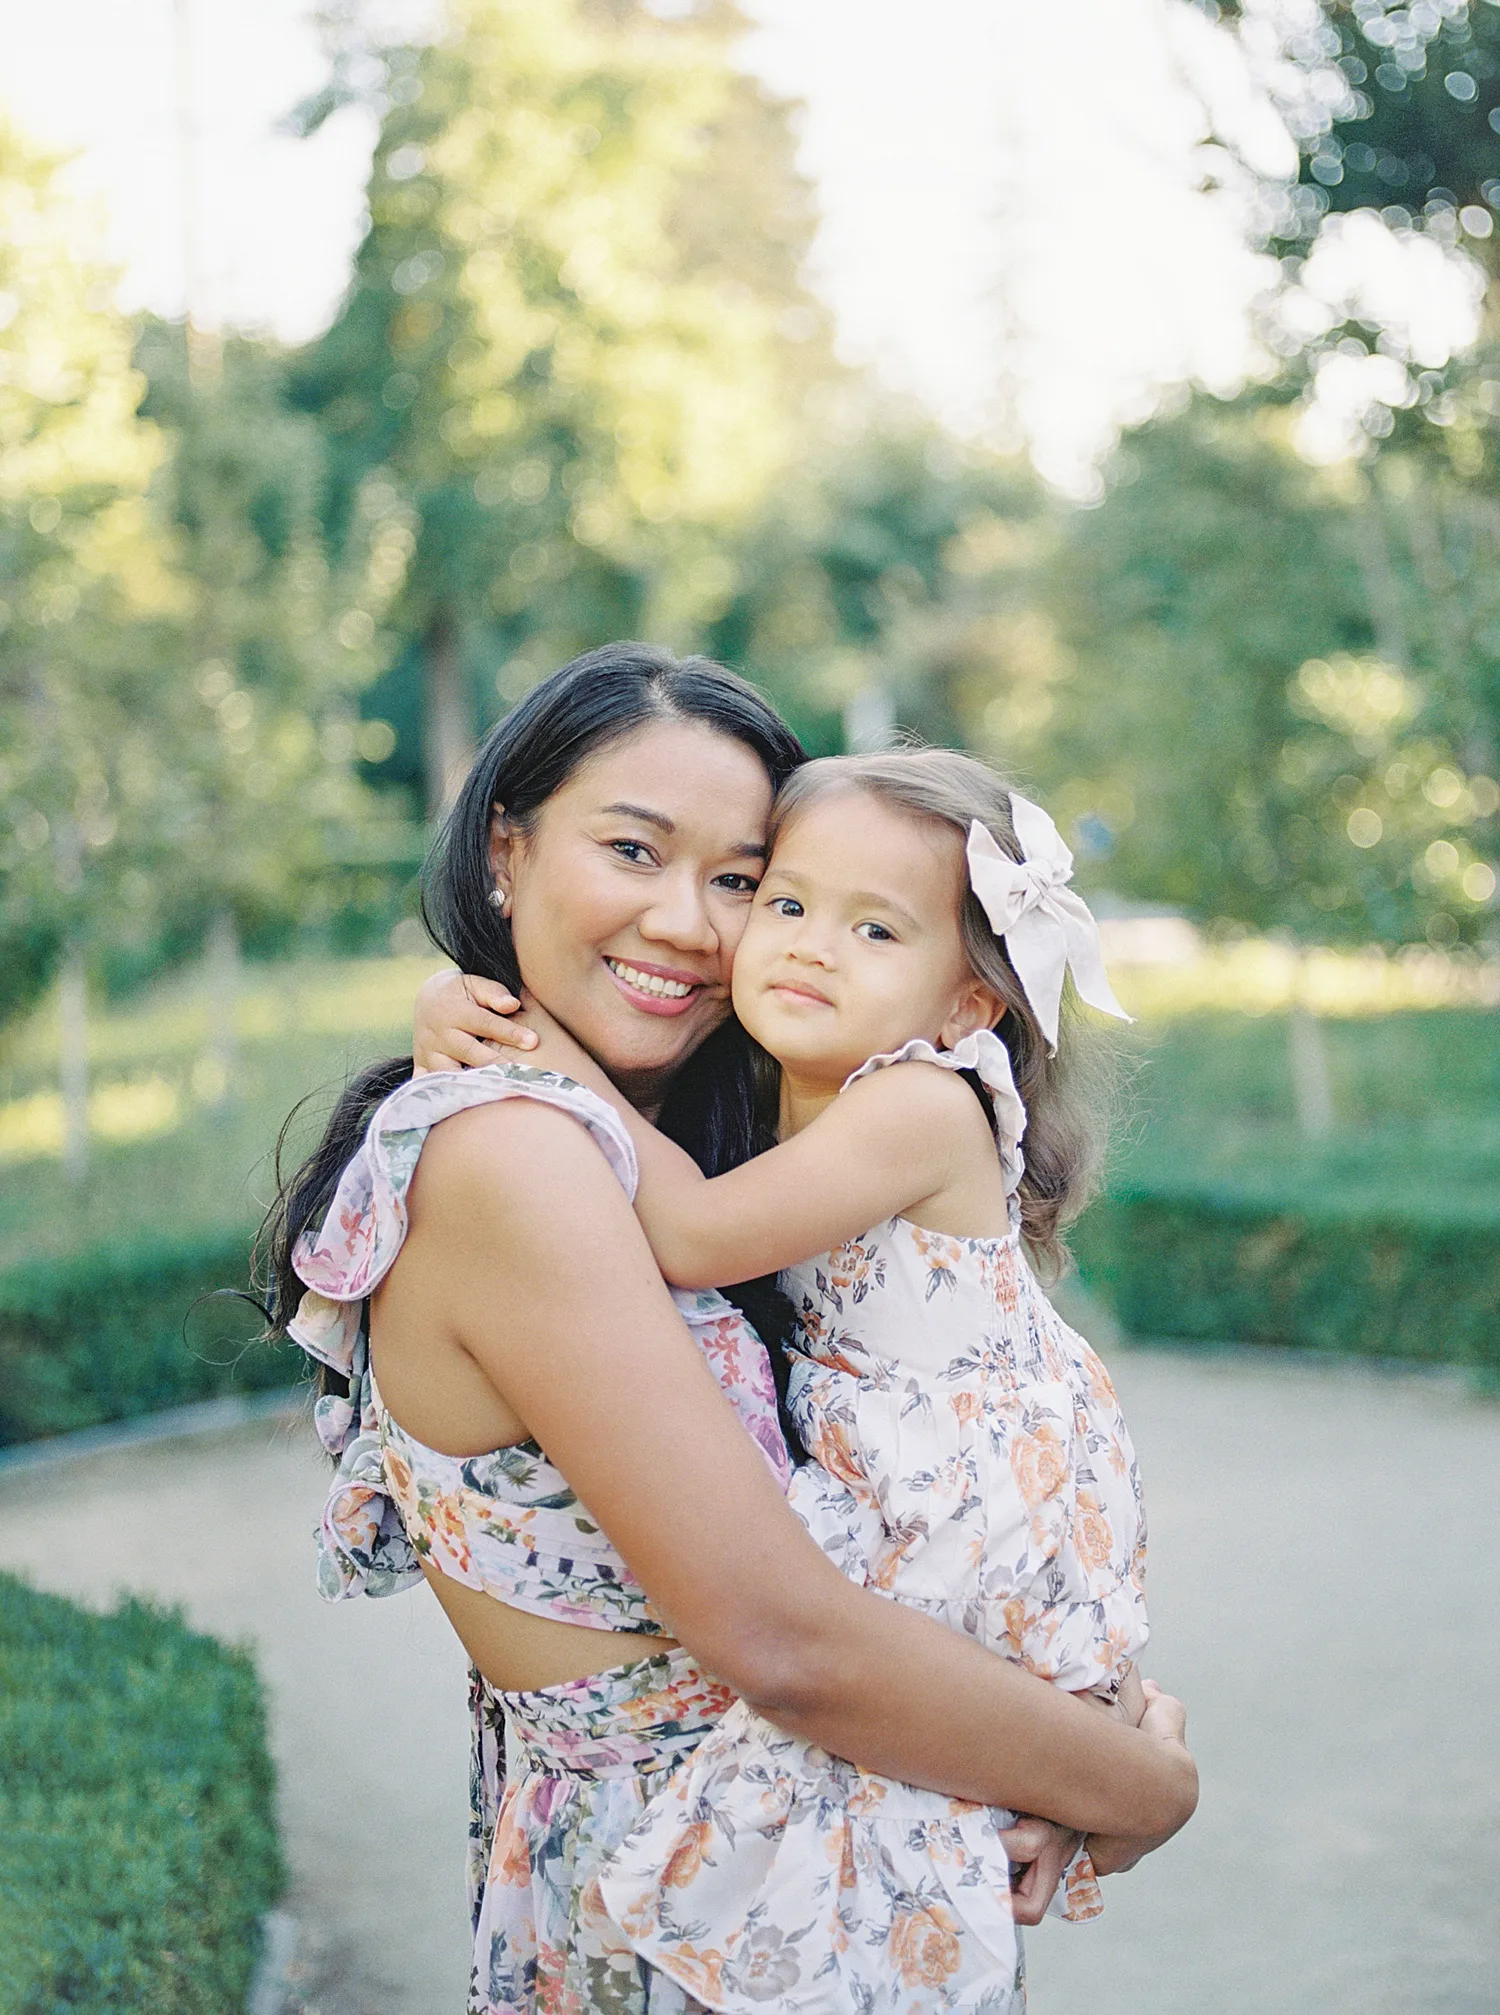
559,1775
970,1462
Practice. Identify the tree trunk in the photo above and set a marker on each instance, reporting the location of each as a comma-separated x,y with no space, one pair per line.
869,720
448,719
1312,1088
1382,588
219,1080
73,1058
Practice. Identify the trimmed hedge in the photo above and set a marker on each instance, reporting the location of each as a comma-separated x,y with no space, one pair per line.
111,1332
1324,1276
138,1848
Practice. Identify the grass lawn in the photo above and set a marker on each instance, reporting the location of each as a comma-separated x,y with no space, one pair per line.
166,1161
1221,1220
1416,1100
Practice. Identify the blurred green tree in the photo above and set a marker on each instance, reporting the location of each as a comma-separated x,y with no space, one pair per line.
1396,108
886,584
89,596
576,342
255,785
1250,723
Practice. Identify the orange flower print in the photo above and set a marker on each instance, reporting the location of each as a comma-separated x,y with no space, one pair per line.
447,1525
1092,1534
686,1858
702,1973
924,1946
510,1857
839,1847
398,1475
1100,1389
1081,1891
966,1404
866,1797
1039,1463
834,1449
1014,1613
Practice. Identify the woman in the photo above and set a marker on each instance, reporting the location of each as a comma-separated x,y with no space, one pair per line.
603,853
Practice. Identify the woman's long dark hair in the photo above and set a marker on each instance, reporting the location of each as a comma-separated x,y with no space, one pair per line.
710,1107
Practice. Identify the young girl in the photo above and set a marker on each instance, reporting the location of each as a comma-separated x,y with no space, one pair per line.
969,1458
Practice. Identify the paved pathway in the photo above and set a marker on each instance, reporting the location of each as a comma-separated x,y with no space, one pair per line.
1327,1598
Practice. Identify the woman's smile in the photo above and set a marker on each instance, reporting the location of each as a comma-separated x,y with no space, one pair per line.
658,990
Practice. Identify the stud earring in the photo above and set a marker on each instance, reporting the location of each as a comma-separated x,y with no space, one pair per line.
500,900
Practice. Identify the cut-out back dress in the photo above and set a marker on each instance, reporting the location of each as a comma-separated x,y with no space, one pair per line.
561,1773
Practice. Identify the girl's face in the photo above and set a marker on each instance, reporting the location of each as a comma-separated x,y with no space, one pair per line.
853,945
631,891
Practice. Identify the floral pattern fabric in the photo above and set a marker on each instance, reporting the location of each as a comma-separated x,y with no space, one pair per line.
581,1760
970,1461
558,1776
506,1522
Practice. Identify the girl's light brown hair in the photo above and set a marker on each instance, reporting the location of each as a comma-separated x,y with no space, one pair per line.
1068,1097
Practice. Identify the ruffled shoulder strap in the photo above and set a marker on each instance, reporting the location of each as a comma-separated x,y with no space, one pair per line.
366,1223
985,1055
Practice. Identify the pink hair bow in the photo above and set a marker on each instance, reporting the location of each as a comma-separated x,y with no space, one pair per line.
1047,928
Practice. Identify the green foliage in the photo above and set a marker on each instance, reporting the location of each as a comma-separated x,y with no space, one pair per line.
891,558
567,341
124,1329
104,1284
1372,1284
179,665
138,1845
1264,711
1398,106
1223,1224
249,764
88,597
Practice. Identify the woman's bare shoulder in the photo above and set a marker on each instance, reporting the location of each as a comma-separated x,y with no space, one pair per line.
503,1160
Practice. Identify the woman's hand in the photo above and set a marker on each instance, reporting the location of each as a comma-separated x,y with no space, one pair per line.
1042,1851
1166,1719
460,1020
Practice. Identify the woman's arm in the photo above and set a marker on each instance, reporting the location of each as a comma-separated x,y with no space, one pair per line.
546,1281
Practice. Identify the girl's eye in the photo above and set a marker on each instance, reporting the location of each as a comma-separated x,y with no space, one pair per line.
785,906
878,934
634,851
737,885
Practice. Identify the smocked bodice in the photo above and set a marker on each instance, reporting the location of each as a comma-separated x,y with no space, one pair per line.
506,1522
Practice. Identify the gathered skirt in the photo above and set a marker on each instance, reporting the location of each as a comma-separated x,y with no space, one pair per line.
559,1776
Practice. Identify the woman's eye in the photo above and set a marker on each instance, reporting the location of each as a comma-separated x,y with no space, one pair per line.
877,933
737,885
635,851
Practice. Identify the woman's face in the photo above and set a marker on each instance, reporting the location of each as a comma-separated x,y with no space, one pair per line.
631,890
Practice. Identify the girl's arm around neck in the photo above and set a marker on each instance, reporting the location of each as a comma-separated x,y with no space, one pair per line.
525,1252
885,1147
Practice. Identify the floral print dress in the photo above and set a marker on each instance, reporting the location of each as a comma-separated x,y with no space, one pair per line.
559,1775
970,1462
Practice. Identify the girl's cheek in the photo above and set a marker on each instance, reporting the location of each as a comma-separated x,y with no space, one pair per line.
733,928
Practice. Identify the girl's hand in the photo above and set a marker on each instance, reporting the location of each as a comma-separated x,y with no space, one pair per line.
1166,1719
1045,1850
460,1020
